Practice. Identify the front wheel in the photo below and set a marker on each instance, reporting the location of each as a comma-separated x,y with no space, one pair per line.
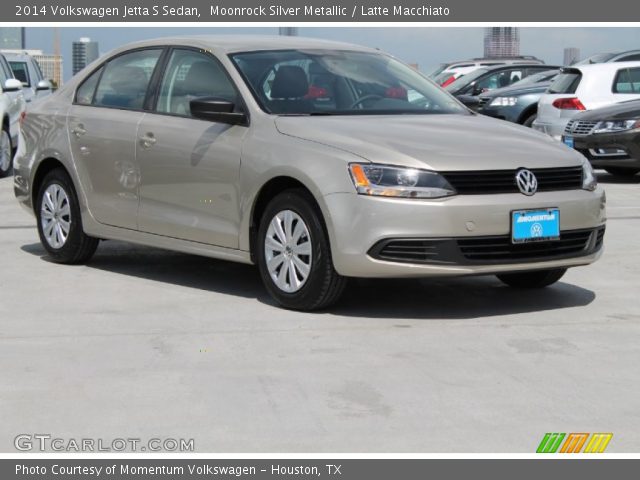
528,122
532,279
6,153
293,254
59,222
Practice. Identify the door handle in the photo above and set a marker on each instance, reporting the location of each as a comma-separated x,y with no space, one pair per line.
147,140
78,130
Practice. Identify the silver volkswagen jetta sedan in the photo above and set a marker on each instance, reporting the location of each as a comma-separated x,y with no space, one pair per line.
315,160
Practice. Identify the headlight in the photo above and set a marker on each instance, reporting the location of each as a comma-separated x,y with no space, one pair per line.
386,181
589,181
611,126
504,102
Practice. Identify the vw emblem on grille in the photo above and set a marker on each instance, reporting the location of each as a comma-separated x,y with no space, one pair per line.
526,181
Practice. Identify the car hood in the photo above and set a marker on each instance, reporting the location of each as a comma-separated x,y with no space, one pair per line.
516,91
617,111
438,142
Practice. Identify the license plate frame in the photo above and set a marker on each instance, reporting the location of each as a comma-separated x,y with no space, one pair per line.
535,225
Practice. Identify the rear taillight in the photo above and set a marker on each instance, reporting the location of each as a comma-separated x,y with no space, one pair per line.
23,115
572,103
449,80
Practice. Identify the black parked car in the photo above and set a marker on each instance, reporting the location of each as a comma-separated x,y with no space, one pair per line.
468,87
519,102
609,137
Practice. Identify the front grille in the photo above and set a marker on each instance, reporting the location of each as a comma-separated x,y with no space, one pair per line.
504,181
487,250
579,127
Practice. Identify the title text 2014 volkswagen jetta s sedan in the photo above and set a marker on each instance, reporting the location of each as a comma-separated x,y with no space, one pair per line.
315,160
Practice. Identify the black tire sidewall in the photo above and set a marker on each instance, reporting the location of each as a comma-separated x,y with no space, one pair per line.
9,171
68,251
301,204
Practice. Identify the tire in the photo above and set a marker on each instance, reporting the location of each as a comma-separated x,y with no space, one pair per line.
6,153
532,279
283,261
528,122
622,171
59,221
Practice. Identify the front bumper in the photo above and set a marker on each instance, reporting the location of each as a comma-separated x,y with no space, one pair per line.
358,224
510,114
554,128
611,149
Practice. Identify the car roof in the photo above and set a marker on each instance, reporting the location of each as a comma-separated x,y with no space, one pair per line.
243,43
16,56
602,67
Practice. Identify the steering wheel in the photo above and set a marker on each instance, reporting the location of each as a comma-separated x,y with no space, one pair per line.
371,96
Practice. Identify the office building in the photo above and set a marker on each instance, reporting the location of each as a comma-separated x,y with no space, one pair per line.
501,42
84,51
12,38
571,55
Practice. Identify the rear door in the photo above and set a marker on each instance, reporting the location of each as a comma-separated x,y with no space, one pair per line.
102,126
189,167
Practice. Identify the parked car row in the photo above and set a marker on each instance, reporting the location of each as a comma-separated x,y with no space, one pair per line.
21,82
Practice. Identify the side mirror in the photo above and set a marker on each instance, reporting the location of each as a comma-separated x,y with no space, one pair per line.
44,85
216,110
12,85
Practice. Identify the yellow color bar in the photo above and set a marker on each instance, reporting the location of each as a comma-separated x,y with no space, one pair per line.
598,442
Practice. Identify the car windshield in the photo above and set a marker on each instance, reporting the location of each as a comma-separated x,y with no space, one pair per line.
336,82
466,80
20,71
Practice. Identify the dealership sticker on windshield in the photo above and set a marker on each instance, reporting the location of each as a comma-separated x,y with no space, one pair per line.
535,225
568,141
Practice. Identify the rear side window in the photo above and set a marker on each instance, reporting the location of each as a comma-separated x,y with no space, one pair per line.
627,81
629,58
125,80
566,82
84,95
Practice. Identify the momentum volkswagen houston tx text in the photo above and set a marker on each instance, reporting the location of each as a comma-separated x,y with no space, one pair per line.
315,160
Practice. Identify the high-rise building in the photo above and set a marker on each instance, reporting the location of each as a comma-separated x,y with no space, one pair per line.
12,37
288,31
50,65
571,55
84,51
502,42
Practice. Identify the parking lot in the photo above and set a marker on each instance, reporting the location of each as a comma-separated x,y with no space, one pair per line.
146,343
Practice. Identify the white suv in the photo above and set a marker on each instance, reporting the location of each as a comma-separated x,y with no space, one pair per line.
12,105
585,87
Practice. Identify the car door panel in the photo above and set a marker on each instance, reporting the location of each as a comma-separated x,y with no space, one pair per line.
189,167
189,179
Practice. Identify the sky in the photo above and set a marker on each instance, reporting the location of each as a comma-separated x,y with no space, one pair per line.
426,46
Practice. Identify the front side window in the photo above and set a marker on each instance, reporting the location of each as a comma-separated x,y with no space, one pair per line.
21,72
125,80
189,75
627,81
335,82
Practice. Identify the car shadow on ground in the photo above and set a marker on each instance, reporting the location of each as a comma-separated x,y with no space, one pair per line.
452,298
607,178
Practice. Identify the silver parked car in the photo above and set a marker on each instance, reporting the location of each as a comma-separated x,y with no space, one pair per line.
315,160
26,69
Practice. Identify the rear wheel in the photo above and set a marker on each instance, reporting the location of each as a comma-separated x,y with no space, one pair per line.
622,171
6,153
293,254
59,222
532,279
